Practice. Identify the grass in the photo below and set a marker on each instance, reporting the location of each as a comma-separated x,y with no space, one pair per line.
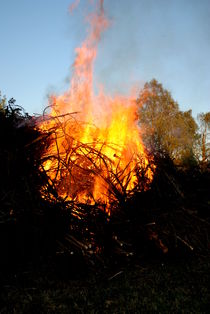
152,287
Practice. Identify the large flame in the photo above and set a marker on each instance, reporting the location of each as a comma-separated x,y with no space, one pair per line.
97,148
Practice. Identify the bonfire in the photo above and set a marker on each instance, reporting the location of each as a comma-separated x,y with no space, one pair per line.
96,153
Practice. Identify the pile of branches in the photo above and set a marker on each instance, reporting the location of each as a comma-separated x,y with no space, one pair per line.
37,221
153,223
74,165
155,219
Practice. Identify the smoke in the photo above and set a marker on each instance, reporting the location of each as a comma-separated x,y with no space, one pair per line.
119,52
73,6
148,39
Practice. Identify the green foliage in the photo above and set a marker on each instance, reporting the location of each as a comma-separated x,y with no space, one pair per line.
165,128
204,121
2,102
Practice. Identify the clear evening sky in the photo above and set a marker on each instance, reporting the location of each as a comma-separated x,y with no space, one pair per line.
164,39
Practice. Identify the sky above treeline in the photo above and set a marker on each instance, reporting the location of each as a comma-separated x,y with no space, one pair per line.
164,39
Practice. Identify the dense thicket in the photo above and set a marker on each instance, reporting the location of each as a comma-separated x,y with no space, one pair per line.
25,218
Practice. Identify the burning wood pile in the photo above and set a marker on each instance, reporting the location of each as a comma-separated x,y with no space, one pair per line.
98,166
95,172
154,221
98,193
168,215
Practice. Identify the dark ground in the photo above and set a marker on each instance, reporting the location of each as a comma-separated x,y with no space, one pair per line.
158,286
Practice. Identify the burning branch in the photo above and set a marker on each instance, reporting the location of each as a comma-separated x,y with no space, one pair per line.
78,169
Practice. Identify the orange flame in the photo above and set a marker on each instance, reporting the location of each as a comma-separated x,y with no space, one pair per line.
97,147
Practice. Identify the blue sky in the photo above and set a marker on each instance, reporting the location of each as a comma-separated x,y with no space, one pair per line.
164,39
